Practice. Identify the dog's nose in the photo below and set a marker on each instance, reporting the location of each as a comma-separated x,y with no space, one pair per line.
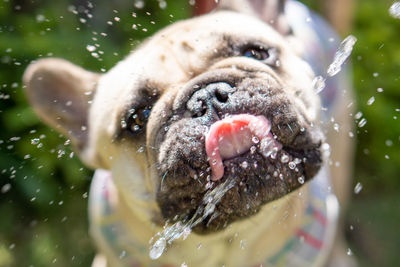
212,97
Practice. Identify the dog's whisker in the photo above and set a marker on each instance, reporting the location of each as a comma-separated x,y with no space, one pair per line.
290,128
162,180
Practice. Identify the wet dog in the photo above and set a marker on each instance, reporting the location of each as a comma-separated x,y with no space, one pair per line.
212,126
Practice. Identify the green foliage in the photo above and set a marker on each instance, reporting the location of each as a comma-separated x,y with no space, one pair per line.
376,61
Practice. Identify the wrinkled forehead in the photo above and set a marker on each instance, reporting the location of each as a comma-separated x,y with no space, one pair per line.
173,56
220,24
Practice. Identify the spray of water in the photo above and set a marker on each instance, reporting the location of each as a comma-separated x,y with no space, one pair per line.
183,229
343,52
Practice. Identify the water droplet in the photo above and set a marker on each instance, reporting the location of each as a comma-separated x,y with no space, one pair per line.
375,74
40,18
344,51
162,4
349,252
284,158
358,115
244,164
318,84
297,160
394,10
379,90
336,127
300,180
371,101
255,140
35,141
60,153
158,248
292,165
326,150
389,142
5,188
91,48
362,122
123,254
242,244
139,4
358,188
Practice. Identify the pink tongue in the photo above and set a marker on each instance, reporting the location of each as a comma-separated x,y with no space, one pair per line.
231,137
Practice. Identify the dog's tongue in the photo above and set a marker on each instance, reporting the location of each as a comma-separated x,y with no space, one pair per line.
233,136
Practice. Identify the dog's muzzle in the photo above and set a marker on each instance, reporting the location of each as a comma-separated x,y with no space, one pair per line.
241,128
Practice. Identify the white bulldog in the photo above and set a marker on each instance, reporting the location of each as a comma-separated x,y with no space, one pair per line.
208,143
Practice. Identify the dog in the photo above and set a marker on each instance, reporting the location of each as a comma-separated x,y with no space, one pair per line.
209,143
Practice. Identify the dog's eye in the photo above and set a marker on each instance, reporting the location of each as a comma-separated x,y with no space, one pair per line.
258,53
136,119
266,55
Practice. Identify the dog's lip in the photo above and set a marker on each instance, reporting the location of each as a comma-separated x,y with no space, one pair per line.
235,135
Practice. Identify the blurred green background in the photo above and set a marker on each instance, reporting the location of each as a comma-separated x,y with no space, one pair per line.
43,186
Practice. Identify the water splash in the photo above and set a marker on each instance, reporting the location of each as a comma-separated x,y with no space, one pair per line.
344,51
362,122
371,101
318,84
394,10
358,188
179,229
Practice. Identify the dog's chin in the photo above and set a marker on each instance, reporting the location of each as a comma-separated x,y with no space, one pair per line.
255,179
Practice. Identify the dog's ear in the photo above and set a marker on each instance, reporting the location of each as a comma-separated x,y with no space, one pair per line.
60,94
269,11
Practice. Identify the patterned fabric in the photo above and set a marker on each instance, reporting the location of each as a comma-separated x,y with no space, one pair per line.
312,241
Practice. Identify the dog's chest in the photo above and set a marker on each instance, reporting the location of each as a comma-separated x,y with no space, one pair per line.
307,246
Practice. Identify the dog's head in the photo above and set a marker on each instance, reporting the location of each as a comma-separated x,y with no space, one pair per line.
220,97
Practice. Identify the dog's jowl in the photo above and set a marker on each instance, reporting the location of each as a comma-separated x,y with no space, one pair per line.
209,140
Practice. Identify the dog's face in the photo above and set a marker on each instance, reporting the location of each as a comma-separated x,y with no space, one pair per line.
219,97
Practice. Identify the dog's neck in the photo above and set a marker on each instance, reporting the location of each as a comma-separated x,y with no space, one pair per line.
274,224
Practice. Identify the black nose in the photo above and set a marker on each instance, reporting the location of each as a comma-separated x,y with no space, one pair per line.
213,97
